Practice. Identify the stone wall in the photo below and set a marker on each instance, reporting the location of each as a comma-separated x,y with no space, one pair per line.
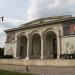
9,49
68,45
53,62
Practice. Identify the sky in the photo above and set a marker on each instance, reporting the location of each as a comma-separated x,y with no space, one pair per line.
17,12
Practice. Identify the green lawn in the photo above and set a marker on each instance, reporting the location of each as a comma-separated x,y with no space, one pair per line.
3,72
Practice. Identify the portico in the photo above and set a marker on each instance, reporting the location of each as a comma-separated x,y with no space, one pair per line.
37,45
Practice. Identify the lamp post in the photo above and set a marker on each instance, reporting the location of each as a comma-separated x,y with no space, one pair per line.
2,18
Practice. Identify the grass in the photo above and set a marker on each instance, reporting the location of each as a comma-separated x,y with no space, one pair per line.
3,72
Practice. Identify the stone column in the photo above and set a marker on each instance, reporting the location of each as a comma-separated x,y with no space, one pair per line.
42,46
27,58
16,51
58,47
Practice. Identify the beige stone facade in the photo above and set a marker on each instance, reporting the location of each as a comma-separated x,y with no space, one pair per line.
44,38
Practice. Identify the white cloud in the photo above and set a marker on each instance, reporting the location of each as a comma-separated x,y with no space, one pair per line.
1,30
2,3
10,23
46,8
15,22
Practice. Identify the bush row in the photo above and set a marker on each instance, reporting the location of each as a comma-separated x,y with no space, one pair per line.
67,56
6,56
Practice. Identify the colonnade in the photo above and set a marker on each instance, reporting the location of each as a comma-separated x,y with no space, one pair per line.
38,46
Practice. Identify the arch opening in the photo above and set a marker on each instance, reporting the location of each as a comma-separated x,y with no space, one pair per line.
22,47
36,46
51,45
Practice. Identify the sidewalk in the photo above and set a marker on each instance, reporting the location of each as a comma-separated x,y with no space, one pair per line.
41,70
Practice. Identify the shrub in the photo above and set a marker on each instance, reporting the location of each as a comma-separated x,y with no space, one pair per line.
7,56
1,51
67,56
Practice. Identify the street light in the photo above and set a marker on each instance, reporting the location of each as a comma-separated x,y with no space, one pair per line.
2,18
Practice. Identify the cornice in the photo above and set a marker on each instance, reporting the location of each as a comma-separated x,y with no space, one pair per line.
42,22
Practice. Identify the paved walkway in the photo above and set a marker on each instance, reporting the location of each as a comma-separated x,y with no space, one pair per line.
41,70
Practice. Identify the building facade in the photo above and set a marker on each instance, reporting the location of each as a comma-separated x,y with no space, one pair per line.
44,38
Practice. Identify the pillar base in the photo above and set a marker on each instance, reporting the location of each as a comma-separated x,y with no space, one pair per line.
17,57
58,57
41,57
27,58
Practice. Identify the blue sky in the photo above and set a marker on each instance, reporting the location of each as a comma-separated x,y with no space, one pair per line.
16,12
